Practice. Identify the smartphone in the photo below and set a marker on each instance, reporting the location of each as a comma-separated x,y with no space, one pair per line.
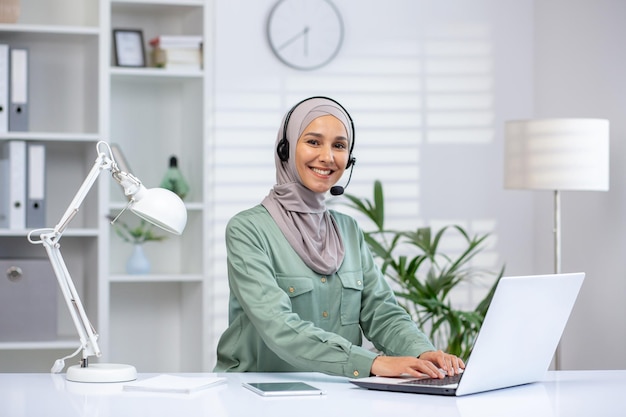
269,389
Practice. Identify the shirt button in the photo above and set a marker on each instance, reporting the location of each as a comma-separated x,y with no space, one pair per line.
292,290
355,373
325,314
359,282
323,280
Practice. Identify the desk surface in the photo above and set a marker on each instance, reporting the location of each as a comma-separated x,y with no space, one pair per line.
563,393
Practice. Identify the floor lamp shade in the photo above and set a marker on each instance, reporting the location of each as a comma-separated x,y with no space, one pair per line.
557,154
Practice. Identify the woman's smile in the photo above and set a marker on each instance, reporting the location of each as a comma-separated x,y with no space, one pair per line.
324,172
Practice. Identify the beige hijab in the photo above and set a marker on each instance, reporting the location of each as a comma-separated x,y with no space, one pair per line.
300,213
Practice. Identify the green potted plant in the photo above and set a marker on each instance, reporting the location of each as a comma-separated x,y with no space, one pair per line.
426,277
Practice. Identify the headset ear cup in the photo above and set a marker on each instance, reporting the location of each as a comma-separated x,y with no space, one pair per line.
283,150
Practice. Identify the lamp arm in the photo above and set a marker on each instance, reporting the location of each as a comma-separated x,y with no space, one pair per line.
102,162
50,240
86,333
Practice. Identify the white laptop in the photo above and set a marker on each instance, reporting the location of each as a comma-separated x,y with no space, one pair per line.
516,342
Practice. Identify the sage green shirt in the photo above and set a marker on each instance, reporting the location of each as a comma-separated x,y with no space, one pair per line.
284,317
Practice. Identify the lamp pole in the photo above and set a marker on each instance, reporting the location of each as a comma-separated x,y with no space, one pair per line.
557,259
557,232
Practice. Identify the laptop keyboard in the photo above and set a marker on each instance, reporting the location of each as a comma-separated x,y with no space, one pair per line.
447,380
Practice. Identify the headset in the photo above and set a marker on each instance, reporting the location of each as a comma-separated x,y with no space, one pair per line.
282,149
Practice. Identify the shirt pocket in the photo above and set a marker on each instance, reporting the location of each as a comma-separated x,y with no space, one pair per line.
351,290
295,287
300,292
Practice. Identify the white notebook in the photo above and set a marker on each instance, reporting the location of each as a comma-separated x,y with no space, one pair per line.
174,384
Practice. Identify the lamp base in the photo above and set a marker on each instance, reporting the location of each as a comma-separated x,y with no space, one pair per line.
102,372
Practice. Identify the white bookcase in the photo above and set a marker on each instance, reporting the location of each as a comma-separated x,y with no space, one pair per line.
158,321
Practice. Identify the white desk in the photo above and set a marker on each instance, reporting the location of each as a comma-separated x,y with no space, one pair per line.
564,393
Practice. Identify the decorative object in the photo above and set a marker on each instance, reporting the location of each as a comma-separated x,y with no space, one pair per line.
177,52
174,180
157,206
305,34
427,277
138,263
556,155
144,232
129,48
9,11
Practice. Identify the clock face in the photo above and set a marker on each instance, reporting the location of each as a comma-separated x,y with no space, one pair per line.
305,34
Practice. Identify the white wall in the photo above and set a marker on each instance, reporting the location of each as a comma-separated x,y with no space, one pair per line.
580,66
504,60
429,84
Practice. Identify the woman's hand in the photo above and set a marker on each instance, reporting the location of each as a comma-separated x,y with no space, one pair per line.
449,363
429,363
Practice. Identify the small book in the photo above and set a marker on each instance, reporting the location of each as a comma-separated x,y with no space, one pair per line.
173,384
172,41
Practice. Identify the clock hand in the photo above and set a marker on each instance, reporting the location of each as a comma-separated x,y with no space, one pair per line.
306,41
294,38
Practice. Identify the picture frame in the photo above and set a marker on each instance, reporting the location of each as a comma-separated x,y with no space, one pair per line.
129,48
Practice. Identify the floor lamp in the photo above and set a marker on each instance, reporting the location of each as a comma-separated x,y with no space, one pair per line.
557,155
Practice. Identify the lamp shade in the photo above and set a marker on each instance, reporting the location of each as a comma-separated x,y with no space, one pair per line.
557,154
160,207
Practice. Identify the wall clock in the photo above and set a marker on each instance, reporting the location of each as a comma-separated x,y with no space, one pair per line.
305,34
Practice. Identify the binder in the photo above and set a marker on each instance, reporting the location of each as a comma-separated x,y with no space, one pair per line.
13,184
18,93
4,88
36,186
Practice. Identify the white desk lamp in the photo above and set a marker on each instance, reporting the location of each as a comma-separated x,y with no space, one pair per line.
556,155
158,206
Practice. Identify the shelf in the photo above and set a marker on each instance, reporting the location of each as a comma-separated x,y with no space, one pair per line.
77,97
154,6
37,30
51,137
49,345
150,278
155,73
66,234
119,206
62,76
117,3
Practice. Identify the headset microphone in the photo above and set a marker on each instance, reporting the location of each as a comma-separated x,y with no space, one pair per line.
338,189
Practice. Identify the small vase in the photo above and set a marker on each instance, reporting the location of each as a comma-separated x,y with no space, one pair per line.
138,263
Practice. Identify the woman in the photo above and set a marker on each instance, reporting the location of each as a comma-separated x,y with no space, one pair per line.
304,286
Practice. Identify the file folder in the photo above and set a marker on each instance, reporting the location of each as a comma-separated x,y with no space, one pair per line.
13,184
4,88
18,93
36,186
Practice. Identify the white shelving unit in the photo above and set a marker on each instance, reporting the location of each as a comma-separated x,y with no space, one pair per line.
157,322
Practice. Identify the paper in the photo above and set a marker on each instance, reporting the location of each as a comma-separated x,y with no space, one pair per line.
173,384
